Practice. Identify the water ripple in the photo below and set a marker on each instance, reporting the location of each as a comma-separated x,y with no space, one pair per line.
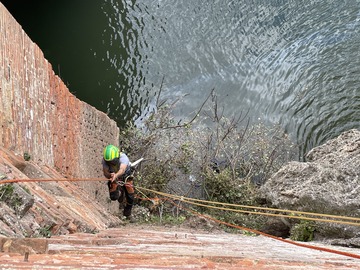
295,63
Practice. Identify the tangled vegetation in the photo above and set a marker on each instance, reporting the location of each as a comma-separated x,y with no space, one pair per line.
209,157
6,192
303,231
9,196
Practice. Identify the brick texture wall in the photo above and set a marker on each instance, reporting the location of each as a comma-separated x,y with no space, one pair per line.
39,115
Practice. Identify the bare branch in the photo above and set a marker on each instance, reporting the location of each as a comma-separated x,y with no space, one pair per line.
158,96
195,116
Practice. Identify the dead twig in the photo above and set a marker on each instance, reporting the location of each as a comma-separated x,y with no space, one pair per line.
195,116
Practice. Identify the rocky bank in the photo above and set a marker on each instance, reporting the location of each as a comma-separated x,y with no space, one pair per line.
328,182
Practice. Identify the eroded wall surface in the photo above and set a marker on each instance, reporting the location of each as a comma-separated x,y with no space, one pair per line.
39,115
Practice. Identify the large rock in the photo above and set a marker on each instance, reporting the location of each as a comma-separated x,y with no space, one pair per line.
327,183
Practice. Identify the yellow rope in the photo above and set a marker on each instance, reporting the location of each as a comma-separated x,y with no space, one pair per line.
210,204
194,202
352,255
205,203
274,215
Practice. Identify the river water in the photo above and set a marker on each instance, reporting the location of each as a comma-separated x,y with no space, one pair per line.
293,63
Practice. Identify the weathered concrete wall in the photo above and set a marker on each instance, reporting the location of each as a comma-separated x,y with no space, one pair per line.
39,115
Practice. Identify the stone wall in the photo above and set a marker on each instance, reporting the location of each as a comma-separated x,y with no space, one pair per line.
39,115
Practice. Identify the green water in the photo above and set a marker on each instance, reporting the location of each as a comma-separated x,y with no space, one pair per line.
74,37
292,63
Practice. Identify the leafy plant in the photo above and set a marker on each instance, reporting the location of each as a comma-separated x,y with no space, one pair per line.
6,191
303,231
8,195
45,231
167,219
27,156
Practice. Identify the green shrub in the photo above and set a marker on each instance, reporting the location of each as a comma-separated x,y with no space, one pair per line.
8,196
6,192
27,156
44,231
303,231
167,219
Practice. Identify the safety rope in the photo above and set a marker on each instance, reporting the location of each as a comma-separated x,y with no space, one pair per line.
168,196
205,204
293,214
9,181
348,254
188,200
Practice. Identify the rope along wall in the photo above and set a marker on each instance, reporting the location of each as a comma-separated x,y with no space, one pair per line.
230,207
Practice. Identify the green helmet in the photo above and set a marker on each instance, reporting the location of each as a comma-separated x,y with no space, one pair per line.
111,152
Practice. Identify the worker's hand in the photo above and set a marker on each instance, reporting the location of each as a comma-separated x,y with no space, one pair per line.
112,177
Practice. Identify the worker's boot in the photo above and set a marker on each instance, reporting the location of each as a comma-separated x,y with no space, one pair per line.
131,219
127,214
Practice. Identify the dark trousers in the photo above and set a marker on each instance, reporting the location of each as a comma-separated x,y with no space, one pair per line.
127,193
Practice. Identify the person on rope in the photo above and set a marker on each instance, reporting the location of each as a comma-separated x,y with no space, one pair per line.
116,167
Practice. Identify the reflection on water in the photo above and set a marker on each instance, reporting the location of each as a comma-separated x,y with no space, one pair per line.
295,63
